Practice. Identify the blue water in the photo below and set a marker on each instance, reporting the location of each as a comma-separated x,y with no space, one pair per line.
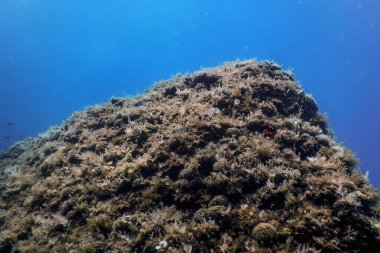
57,57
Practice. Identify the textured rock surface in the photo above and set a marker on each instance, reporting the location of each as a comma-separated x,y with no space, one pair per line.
232,159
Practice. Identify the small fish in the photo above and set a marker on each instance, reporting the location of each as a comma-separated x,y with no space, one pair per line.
7,137
10,124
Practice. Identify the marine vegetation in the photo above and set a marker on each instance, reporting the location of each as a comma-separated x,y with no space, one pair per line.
232,159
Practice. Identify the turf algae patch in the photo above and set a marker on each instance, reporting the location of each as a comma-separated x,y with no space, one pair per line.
232,159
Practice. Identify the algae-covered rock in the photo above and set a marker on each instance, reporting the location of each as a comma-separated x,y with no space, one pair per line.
232,159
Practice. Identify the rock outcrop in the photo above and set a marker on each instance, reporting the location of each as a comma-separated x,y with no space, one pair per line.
232,159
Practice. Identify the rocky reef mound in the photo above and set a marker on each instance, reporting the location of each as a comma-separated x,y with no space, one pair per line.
231,159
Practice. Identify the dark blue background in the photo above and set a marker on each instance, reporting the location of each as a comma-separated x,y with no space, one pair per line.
60,56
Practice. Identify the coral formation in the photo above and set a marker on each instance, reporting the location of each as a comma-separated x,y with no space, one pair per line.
232,159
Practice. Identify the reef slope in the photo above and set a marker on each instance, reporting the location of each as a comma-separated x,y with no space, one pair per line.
232,159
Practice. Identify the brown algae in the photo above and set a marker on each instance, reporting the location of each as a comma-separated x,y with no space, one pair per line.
232,159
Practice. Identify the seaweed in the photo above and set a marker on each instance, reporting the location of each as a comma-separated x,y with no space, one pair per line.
232,159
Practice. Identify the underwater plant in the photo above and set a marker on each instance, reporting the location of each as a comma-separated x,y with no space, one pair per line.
232,159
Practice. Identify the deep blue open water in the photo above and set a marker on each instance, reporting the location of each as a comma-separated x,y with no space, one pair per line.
57,57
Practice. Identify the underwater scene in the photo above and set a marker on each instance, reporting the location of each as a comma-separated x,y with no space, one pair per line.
189,126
